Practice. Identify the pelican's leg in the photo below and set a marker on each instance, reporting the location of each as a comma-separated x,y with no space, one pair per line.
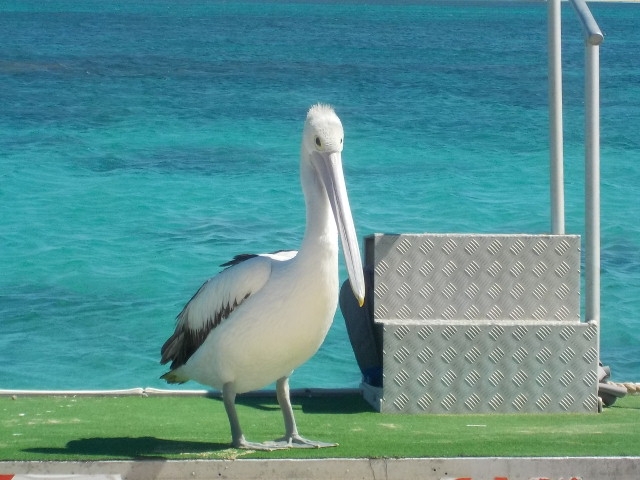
291,437
237,438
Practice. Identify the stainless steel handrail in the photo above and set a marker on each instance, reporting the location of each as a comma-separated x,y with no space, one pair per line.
593,38
555,117
592,32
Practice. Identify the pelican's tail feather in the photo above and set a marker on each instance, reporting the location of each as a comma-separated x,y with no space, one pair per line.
173,376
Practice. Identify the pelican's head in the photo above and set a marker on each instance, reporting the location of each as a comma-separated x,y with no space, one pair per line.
322,143
322,131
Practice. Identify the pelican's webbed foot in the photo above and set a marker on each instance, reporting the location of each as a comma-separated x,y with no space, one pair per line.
244,444
297,441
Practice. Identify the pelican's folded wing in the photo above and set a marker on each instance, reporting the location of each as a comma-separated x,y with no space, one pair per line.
212,304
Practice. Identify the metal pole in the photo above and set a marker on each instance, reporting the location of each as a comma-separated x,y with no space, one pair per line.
592,181
591,29
555,118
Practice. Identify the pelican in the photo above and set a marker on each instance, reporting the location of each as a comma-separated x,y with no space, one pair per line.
264,315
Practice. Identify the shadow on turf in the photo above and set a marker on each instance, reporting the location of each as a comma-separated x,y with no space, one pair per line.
330,405
131,447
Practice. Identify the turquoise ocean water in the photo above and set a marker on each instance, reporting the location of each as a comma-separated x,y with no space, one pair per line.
143,144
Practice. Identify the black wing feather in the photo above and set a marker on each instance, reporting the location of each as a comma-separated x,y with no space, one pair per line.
184,342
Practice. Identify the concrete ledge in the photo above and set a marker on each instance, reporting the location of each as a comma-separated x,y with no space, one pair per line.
587,468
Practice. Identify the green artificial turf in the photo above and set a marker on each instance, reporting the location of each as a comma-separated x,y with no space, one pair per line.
107,428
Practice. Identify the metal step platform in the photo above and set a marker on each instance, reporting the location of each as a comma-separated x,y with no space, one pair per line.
477,324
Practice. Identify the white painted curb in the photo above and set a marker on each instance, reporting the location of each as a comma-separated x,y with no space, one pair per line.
587,468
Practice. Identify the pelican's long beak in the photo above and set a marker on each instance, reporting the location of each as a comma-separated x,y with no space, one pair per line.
329,165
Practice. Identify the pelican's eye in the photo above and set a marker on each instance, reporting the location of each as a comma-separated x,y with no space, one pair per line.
318,142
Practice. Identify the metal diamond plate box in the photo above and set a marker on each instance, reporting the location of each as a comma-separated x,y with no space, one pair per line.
481,324
472,277
488,368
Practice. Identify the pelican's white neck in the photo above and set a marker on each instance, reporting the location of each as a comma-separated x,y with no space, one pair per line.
321,233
